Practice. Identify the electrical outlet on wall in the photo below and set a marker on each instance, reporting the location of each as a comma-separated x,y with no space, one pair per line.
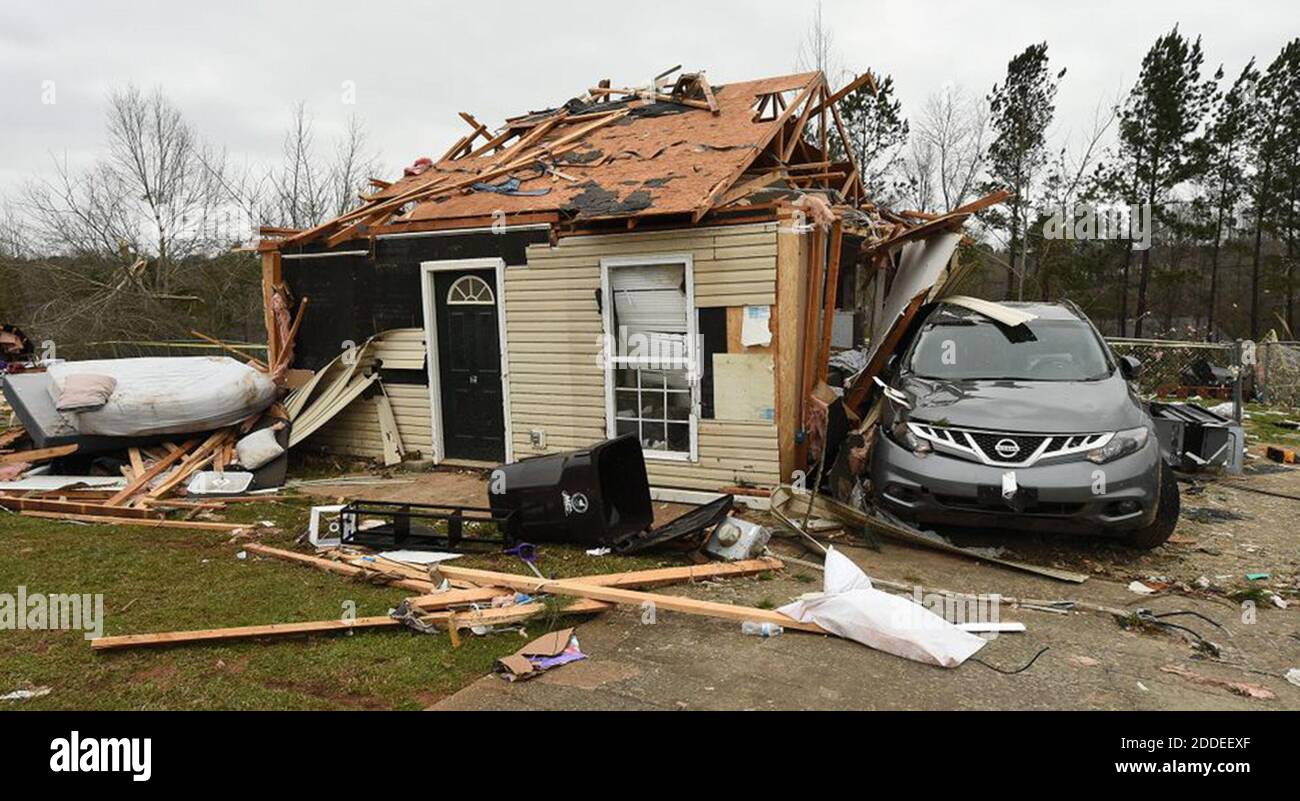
537,438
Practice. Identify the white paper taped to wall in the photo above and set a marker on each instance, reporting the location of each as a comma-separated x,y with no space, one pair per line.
755,330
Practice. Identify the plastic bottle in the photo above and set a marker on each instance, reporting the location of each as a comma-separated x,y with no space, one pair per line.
763,630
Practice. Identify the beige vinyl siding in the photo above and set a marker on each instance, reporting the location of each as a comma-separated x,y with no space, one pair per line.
400,349
553,335
355,430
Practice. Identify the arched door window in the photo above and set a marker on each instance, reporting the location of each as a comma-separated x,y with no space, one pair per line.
470,290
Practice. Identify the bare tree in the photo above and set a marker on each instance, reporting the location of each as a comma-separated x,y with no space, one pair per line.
155,157
817,53
116,237
13,233
919,169
306,189
1070,169
954,125
817,49
353,164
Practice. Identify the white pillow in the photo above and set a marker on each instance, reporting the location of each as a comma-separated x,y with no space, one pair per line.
83,392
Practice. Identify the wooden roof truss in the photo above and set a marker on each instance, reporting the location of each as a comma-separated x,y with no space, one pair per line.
793,154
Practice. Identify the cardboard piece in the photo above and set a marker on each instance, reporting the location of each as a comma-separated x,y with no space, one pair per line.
546,652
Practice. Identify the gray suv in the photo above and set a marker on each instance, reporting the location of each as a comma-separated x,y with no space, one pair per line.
1033,426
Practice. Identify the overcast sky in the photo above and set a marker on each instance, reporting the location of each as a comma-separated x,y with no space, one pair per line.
236,72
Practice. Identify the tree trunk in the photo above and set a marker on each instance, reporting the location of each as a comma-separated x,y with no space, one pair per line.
1011,248
1290,285
1214,269
1144,277
1261,211
1254,277
1292,220
1123,289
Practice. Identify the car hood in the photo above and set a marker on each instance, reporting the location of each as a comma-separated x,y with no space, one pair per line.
1049,407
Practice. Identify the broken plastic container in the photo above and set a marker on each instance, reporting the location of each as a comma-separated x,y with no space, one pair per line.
595,496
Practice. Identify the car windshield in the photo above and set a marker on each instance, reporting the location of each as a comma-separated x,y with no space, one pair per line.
976,348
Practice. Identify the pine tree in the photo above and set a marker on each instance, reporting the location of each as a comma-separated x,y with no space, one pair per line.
1157,127
1273,146
876,131
1022,107
1225,144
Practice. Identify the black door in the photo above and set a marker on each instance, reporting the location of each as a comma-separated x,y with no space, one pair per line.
469,365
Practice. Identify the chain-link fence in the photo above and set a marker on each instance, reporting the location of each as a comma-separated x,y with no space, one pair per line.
1277,373
1178,369
1175,369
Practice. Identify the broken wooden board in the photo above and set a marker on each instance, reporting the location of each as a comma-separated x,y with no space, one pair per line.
788,501
240,633
38,455
616,595
194,525
142,480
16,504
340,568
639,578
458,620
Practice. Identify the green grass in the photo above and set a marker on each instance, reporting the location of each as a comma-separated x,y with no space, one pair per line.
1262,426
157,580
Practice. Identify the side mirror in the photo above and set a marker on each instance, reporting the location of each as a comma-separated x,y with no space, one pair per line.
1130,367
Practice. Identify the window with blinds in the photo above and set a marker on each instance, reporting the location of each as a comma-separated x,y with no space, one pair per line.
651,367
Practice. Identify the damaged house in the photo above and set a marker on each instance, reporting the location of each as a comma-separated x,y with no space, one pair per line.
675,261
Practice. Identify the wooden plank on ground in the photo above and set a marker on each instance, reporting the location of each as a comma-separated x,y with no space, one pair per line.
240,632
329,565
617,595
194,525
38,455
71,507
460,620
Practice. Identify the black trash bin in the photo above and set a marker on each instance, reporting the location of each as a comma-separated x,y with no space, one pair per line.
595,496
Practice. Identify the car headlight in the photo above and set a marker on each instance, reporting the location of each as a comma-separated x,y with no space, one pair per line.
1122,444
903,436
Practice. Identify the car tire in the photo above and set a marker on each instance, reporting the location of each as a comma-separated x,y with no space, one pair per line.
1162,528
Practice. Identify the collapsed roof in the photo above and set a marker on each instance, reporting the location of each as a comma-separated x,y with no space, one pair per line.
676,147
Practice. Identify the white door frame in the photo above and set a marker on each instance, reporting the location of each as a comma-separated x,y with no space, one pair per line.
427,270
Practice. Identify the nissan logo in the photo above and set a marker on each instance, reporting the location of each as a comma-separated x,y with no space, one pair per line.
1007,448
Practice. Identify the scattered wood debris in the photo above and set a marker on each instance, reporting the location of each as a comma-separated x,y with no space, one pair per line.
475,598
1241,688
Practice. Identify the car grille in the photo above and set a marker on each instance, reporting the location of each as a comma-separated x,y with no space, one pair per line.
999,447
1007,448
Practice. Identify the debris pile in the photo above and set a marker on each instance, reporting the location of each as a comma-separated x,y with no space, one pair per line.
115,441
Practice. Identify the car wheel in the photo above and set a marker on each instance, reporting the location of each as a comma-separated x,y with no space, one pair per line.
1166,514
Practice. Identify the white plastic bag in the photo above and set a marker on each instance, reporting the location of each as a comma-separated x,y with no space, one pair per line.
169,395
851,608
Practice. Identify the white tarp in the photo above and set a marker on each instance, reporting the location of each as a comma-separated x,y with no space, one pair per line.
851,608
168,395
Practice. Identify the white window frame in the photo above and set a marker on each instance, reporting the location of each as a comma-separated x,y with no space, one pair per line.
470,280
692,365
